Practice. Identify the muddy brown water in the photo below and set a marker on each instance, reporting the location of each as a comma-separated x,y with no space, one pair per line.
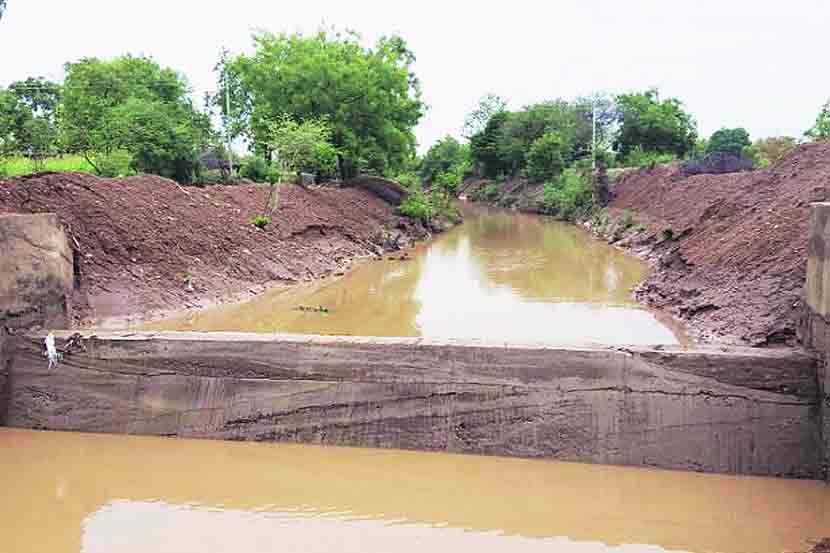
70,493
501,276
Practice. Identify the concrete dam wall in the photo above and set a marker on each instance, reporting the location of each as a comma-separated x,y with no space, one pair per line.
727,410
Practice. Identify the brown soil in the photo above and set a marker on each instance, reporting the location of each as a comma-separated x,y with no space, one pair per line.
145,244
737,270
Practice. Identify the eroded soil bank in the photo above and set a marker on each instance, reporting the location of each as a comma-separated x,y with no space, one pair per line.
144,246
729,251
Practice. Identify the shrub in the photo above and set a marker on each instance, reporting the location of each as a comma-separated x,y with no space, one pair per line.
254,168
325,161
626,219
417,205
408,180
642,158
570,196
771,150
667,234
261,221
729,141
489,193
449,182
117,163
546,158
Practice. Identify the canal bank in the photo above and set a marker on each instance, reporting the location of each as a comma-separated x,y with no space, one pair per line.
728,251
144,247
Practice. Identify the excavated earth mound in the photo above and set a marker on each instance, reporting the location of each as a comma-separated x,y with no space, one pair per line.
736,267
145,244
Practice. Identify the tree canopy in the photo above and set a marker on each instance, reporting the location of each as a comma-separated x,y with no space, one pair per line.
133,104
821,130
369,96
729,141
502,147
774,148
547,157
28,117
443,157
476,120
303,146
653,125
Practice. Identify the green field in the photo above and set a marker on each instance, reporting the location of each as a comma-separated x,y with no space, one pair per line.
19,166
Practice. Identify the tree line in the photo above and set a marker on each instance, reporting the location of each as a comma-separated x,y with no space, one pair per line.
323,103
558,143
329,105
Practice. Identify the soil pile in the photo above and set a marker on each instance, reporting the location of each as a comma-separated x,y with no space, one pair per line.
145,244
731,247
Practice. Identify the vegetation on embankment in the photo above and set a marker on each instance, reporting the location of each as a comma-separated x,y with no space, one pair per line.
541,158
729,250
145,244
130,115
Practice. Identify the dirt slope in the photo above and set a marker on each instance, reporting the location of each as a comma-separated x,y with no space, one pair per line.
738,269
145,244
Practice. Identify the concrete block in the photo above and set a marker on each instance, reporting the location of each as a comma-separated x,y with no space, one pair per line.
36,272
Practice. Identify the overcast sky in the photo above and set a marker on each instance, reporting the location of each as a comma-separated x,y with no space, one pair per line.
758,64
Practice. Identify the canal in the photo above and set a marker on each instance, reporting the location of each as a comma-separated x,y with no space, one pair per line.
70,493
500,276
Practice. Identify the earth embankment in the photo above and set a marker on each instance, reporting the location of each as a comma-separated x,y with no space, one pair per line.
144,245
729,250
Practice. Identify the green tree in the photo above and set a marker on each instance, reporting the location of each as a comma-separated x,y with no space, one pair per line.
370,96
302,146
27,118
821,130
547,157
653,125
476,121
486,149
133,104
2,8
163,138
524,127
445,156
13,117
770,150
729,141
504,144
38,94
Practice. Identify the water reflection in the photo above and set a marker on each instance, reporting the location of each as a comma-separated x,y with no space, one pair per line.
65,493
188,529
500,276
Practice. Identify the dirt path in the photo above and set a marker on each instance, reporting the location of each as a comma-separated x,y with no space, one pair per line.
145,246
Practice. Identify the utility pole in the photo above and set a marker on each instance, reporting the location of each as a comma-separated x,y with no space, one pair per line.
594,130
228,122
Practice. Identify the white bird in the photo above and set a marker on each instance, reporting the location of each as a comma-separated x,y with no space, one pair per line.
51,351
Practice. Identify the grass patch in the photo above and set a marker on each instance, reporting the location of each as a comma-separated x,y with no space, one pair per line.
261,221
21,166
